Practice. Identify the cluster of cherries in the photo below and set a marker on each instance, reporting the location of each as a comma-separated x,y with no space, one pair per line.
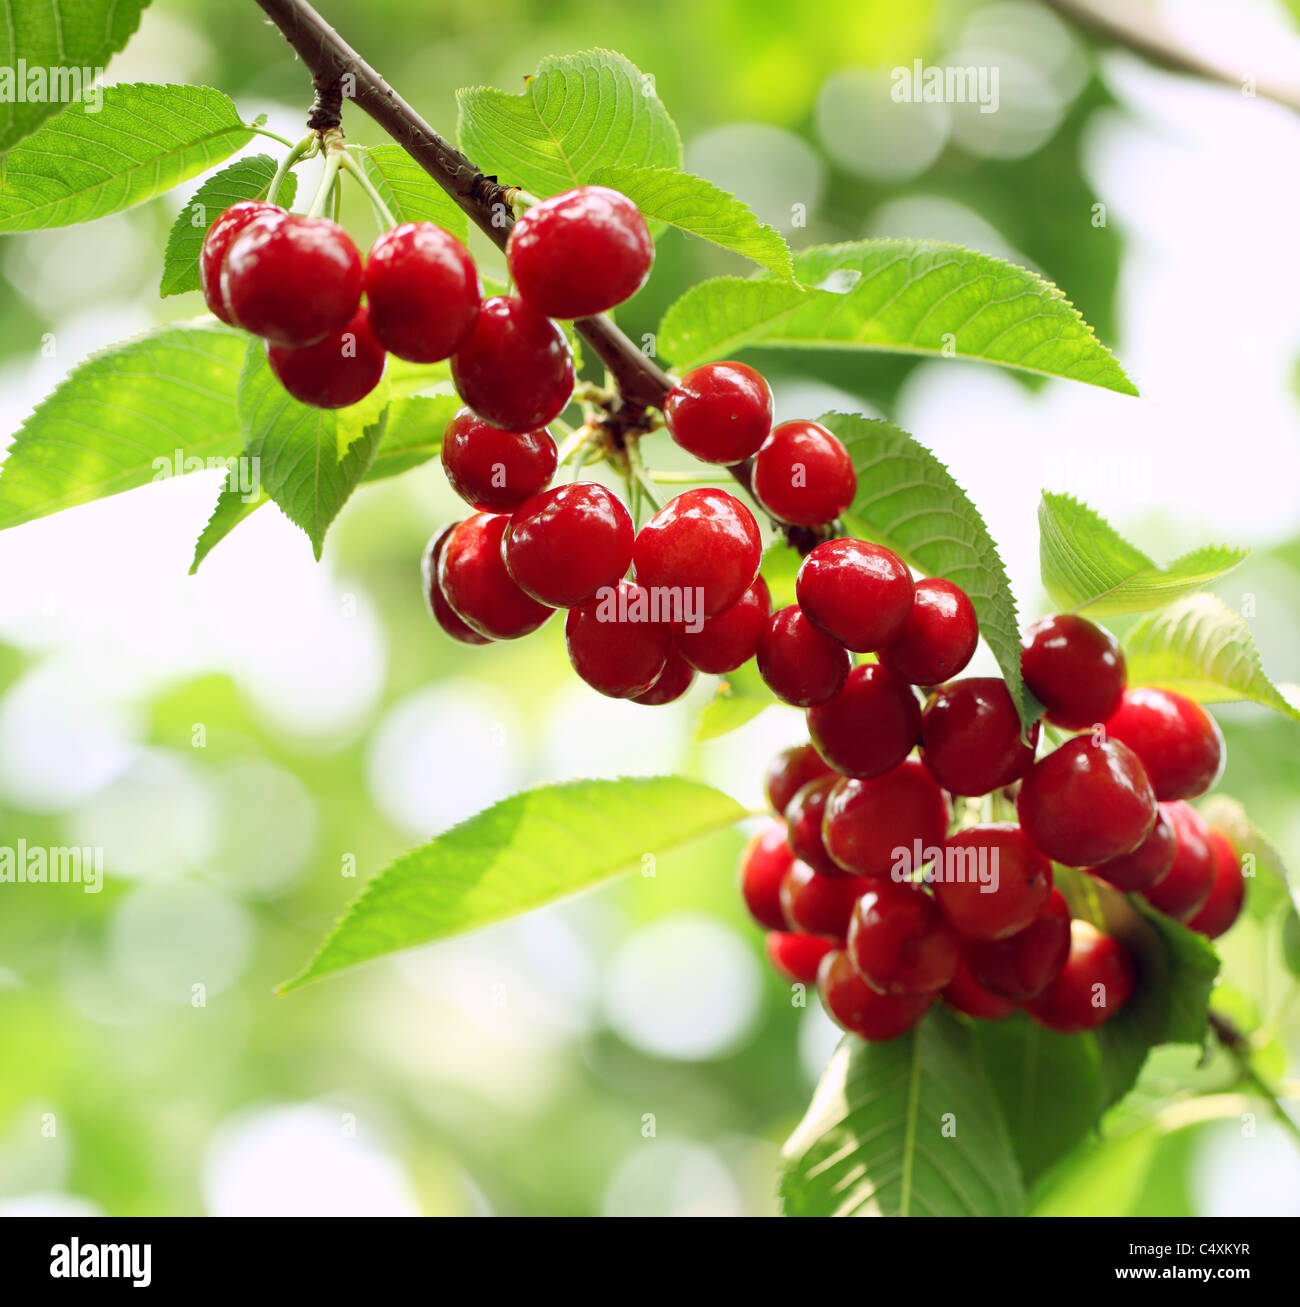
869,893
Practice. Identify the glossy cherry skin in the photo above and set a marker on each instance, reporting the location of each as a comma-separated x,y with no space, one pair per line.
803,474
1087,802
495,470
992,882
1024,964
335,372
854,1006
817,904
1148,864
899,942
799,664
442,611
1097,980
763,864
964,993
291,279
1228,892
580,253
938,636
216,245
870,726
477,586
857,593
730,638
796,956
701,539
1179,743
423,292
790,771
610,648
720,412
884,826
803,825
1075,668
1184,890
971,736
515,369
569,543
676,678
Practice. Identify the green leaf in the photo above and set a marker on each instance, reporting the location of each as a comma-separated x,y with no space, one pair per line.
779,567
409,192
1199,647
519,854
137,412
233,506
1088,566
700,208
739,698
878,1137
245,179
413,434
903,296
74,38
1268,884
580,113
908,500
143,141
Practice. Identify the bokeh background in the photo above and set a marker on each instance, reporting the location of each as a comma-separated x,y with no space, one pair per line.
239,741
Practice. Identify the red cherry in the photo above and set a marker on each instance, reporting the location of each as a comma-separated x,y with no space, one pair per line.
796,956
1179,743
1075,668
495,470
1185,889
817,904
721,412
886,825
803,825
992,882
442,611
566,544
477,585
515,369
1097,980
1024,964
611,646
899,942
857,593
870,726
971,736
1227,894
1148,864
937,638
335,372
763,864
673,682
731,638
798,663
216,245
789,771
964,993
704,540
580,253
423,291
854,1006
292,279
803,474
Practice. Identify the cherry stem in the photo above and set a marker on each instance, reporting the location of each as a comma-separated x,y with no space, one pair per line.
1237,1046
296,153
333,161
383,214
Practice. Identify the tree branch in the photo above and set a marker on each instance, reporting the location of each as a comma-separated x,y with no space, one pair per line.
1237,1046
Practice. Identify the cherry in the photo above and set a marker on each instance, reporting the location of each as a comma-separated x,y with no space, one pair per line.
701,539
1075,668
611,648
423,291
720,412
798,663
1087,802
854,1006
580,253
797,956
216,245
676,678
335,372
1148,864
1097,980
971,736
870,827
1227,894
515,369
857,593
1179,743
1024,964
789,771
803,474
442,611
292,279
1185,889
967,995
817,904
870,726
899,941
477,586
992,882
763,864
731,638
803,823
566,544
938,636
495,470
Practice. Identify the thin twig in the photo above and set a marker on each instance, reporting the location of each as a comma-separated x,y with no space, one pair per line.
1237,1046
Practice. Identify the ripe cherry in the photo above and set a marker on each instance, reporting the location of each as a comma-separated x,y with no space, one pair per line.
492,469
1024,964
899,941
1228,892
442,611
763,864
671,683
1184,890
1148,864
610,648
423,292
580,253
803,474
886,825
477,585
720,412
789,771
938,636
796,956
566,544
803,825
515,369
817,904
854,1006
335,372
870,726
857,593
1075,667
1097,980
797,662
992,882
216,245
730,638
971,736
967,995
1179,743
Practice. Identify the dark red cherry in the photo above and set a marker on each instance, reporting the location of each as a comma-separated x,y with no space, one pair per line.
730,638
857,593
1184,890
442,611
964,993
478,587
1097,980
612,643
971,736
817,904
335,372
870,726
799,664
720,412
803,474
763,864
937,638
1179,743
891,825
992,882
803,823
1228,892
796,956
495,470
1148,864
1075,668
216,245
899,942
1024,964
789,771
854,1006
676,678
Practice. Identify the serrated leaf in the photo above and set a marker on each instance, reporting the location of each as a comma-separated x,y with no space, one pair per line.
137,412
245,179
143,141
1268,884
409,192
413,434
1088,567
739,697
581,112
906,296
234,505
877,1139
520,854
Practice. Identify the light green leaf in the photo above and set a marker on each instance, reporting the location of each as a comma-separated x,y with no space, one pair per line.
413,434
234,504
739,697
1088,566
520,854
409,192
779,567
